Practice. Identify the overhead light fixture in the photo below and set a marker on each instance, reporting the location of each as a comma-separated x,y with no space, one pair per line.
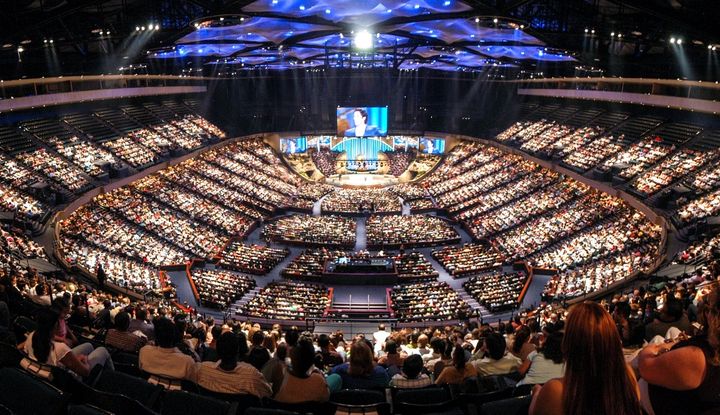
477,20
679,41
142,28
673,40
592,31
52,41
495,20
612,34
20,49
157,27
137,28
586,30
363,40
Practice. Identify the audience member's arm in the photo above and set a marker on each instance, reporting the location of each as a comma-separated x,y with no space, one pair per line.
679,369
525,366
77,364
548,399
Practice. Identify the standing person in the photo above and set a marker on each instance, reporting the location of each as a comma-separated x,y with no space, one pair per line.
597,380
101,275
380,336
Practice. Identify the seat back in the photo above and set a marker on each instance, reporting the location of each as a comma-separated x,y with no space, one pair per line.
10,356
133,387
512,406
315,408
186,403
422,400
357,397
86,410
22,392
244,400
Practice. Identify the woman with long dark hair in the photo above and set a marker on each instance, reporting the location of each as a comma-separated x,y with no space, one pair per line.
460,369
42,346
597,380
684,377
521,346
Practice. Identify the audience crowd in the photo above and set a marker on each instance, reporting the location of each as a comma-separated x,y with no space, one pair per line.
288,300
428,301
638,157
56,169
409,230
311,230
83,154
360,200
587,157
497,291
218,289
681,164
468,259
253,259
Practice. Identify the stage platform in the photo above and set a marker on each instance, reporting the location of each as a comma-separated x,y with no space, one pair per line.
362,180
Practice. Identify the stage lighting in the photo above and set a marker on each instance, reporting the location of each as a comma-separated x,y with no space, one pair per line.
672,40
52,41
592,31
679,41
363,40
709,46
21,49
46,41
586,30
612,34
495,20
137,28
477,20
157,27
142,28
619,35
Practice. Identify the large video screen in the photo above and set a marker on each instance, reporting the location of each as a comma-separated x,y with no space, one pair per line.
362,121
432,145
293,145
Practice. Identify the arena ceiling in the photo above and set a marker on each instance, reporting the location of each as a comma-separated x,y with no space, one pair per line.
73,37
402,34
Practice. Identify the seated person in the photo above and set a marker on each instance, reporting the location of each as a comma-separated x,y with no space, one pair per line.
684,377
361,372
120,338
493,358
302,382
541,366
458,371
164,359
411,376
229,376
40,345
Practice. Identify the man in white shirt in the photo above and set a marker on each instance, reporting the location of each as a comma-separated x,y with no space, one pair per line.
380,336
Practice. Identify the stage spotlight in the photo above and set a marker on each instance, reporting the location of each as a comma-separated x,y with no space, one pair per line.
46,41
709,46
52,41
142,28
672,40
363,40
477,20
157,27
619,35
495,20
586,30
612,34
679,41
20,49
137,28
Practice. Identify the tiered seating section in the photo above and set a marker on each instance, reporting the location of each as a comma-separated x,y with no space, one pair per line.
427,301
253,259
312,230
497,291
287,300
360,200
409,230
469,259
191,210
218,289
309,265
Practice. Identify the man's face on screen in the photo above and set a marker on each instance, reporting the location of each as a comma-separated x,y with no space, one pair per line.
358,118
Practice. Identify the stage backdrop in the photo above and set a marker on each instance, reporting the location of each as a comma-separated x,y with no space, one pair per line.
362,148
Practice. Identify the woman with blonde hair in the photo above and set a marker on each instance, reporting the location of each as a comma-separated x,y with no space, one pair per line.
684,377
597,380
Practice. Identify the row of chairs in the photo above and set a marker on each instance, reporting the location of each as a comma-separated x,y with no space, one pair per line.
116,392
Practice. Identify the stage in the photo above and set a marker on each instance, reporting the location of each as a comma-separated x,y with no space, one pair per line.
362,180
